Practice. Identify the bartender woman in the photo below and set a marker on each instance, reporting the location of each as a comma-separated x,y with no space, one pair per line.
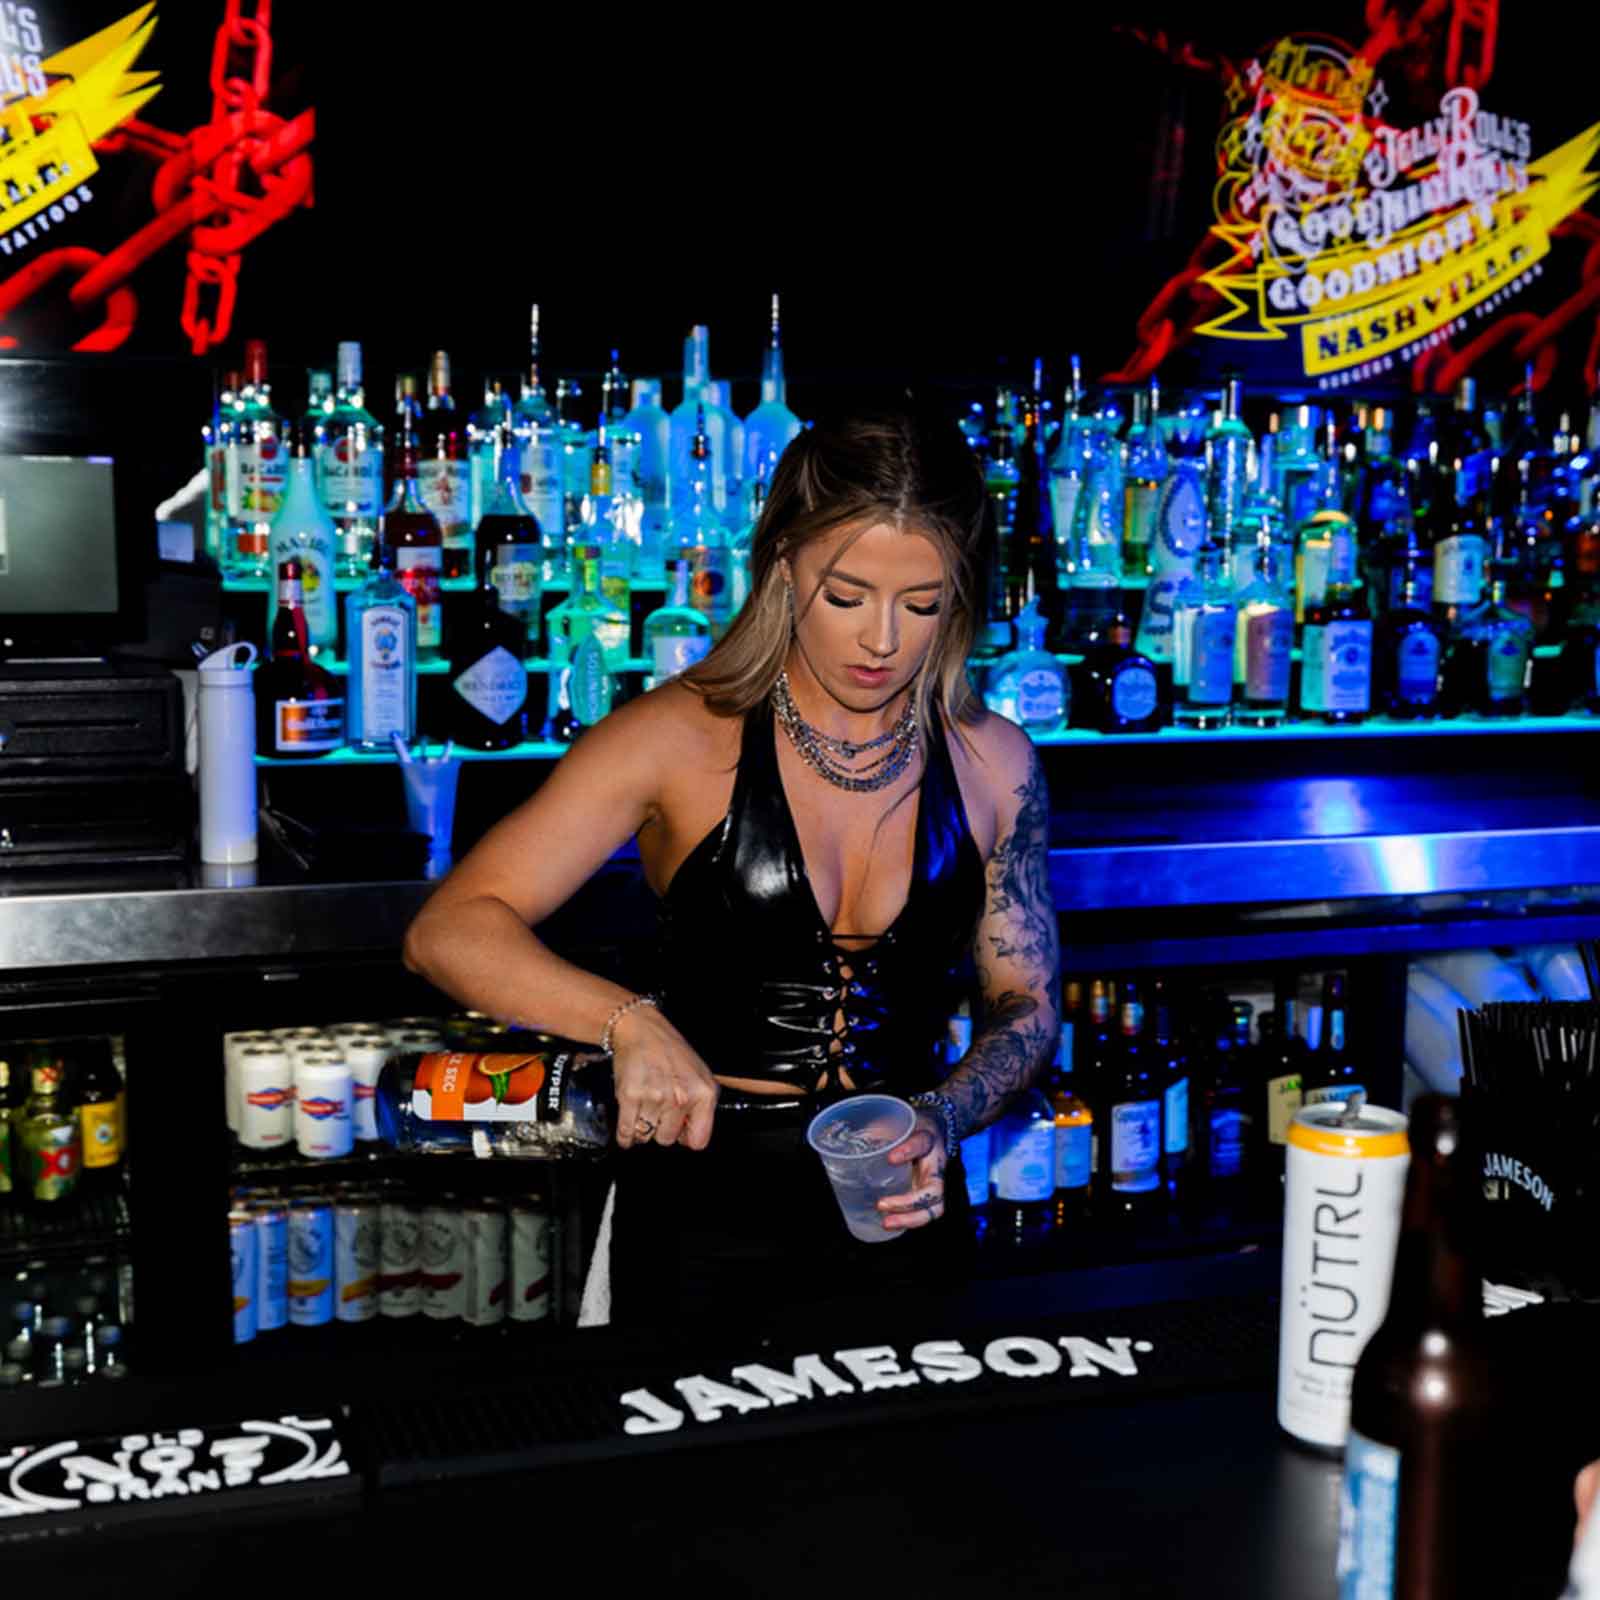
831,822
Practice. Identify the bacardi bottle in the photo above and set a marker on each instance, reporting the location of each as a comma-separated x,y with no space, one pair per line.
260,471
350,467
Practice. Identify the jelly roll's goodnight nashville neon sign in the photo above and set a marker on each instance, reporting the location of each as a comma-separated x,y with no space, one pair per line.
1369,242
754,1387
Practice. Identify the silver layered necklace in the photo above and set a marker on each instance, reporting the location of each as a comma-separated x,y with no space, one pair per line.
823,753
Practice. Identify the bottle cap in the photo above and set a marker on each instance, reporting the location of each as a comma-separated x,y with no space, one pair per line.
255,361
1029,627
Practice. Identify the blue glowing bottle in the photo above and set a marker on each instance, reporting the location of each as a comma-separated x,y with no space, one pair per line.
769,428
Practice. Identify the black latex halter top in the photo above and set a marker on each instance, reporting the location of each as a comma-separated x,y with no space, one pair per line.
754,978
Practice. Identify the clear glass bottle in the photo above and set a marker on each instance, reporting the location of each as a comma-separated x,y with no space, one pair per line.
1263,640
381,634
1180,531
586,611
1228,446
1072,460
510,536
1470,453
1336,650
1134,1093
575,458
483,446
1203,655
1023,1157
319,406
303,531
604,525
698,534
654,429
1030,685
1145,473
1074,1141
259,471
769,428
742,541
1295,463
699,413
444,474
412,532
350,468
1001,476
676,635
1409,645
1490,661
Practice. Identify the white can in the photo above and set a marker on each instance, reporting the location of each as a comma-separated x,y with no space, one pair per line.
266,1096
530,1264
444,1262
310,1264
233,1046
365,1056
355,1260
1341,1224
244,1249
400,1279
272,1255
322,1123
488,1269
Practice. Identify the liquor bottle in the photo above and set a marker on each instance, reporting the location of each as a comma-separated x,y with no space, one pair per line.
258,472
444,474
484,429
586,610
1283,1058
1471,456
11,1092
1490,660
676,635
769,428
698,413
1330,1073
304,532
741,542
585,690
1118,690
510,535
1385,525
1408,648
1460,563
700,537
221,462
299,710
100,1114
1203,658
542,447
488,682
1227,462
1172,1062
1579,673
1263,640
1074,1139
412,532
1133,1098
1180,532
1023,1156
1071,461
319,407
406,423
1231,1115
350,468
1001,476
603,525
1424,462
654,429
1092,1060
1146,472
381,636
575,458
1420,1465
1030,686
1295,464
1527,462
1033,530
1336,653
48,1139
550,1100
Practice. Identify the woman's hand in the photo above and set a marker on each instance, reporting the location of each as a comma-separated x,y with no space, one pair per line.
924,1150
1583,1495
665,1092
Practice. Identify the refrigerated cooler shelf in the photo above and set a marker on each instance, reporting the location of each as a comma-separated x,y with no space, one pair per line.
87,1225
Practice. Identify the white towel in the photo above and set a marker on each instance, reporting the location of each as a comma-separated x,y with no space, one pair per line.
595,1309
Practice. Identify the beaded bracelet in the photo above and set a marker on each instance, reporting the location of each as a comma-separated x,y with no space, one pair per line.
946,1107
617,1016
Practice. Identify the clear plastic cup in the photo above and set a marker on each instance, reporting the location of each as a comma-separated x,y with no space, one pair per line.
853,1140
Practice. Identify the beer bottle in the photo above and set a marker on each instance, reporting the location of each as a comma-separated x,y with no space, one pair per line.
99,1113
1421,1401
10,1107
50,1147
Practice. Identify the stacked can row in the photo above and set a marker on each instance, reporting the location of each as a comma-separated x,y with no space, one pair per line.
310,1259
313,1087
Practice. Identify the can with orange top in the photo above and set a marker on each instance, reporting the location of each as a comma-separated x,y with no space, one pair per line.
1346,1178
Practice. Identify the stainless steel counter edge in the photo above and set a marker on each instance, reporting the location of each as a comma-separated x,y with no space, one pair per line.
53,931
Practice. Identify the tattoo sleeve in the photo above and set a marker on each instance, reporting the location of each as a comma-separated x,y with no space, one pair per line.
1017,955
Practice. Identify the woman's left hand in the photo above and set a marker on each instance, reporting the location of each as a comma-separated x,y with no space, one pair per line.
924,1150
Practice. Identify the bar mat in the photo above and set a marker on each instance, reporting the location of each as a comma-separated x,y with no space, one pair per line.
1091,1357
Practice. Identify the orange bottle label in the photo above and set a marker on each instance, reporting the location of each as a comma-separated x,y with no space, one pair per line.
454,1081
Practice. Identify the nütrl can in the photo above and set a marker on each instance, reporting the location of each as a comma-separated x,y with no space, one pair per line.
272,1254
243,1247
1345,1183
311,1289
355,1260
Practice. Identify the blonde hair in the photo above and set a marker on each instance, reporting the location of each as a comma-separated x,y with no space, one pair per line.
905,467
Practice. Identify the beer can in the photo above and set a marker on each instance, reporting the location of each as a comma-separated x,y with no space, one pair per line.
288,1035
244,1248
1345,1182
400,1244
530,1263
418,1041
233,1045
310,1264
366,1056
272,1255
488,1269
266,1096
322,1122
444,1262
355,1260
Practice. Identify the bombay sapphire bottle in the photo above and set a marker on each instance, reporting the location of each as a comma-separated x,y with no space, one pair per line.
769,428
381,630
1203,659
1030,685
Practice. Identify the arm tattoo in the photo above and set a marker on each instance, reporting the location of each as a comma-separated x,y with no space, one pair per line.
1017,956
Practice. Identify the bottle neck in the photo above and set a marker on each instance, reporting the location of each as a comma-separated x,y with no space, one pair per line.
289,628
1436,1282
680,585
773,386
